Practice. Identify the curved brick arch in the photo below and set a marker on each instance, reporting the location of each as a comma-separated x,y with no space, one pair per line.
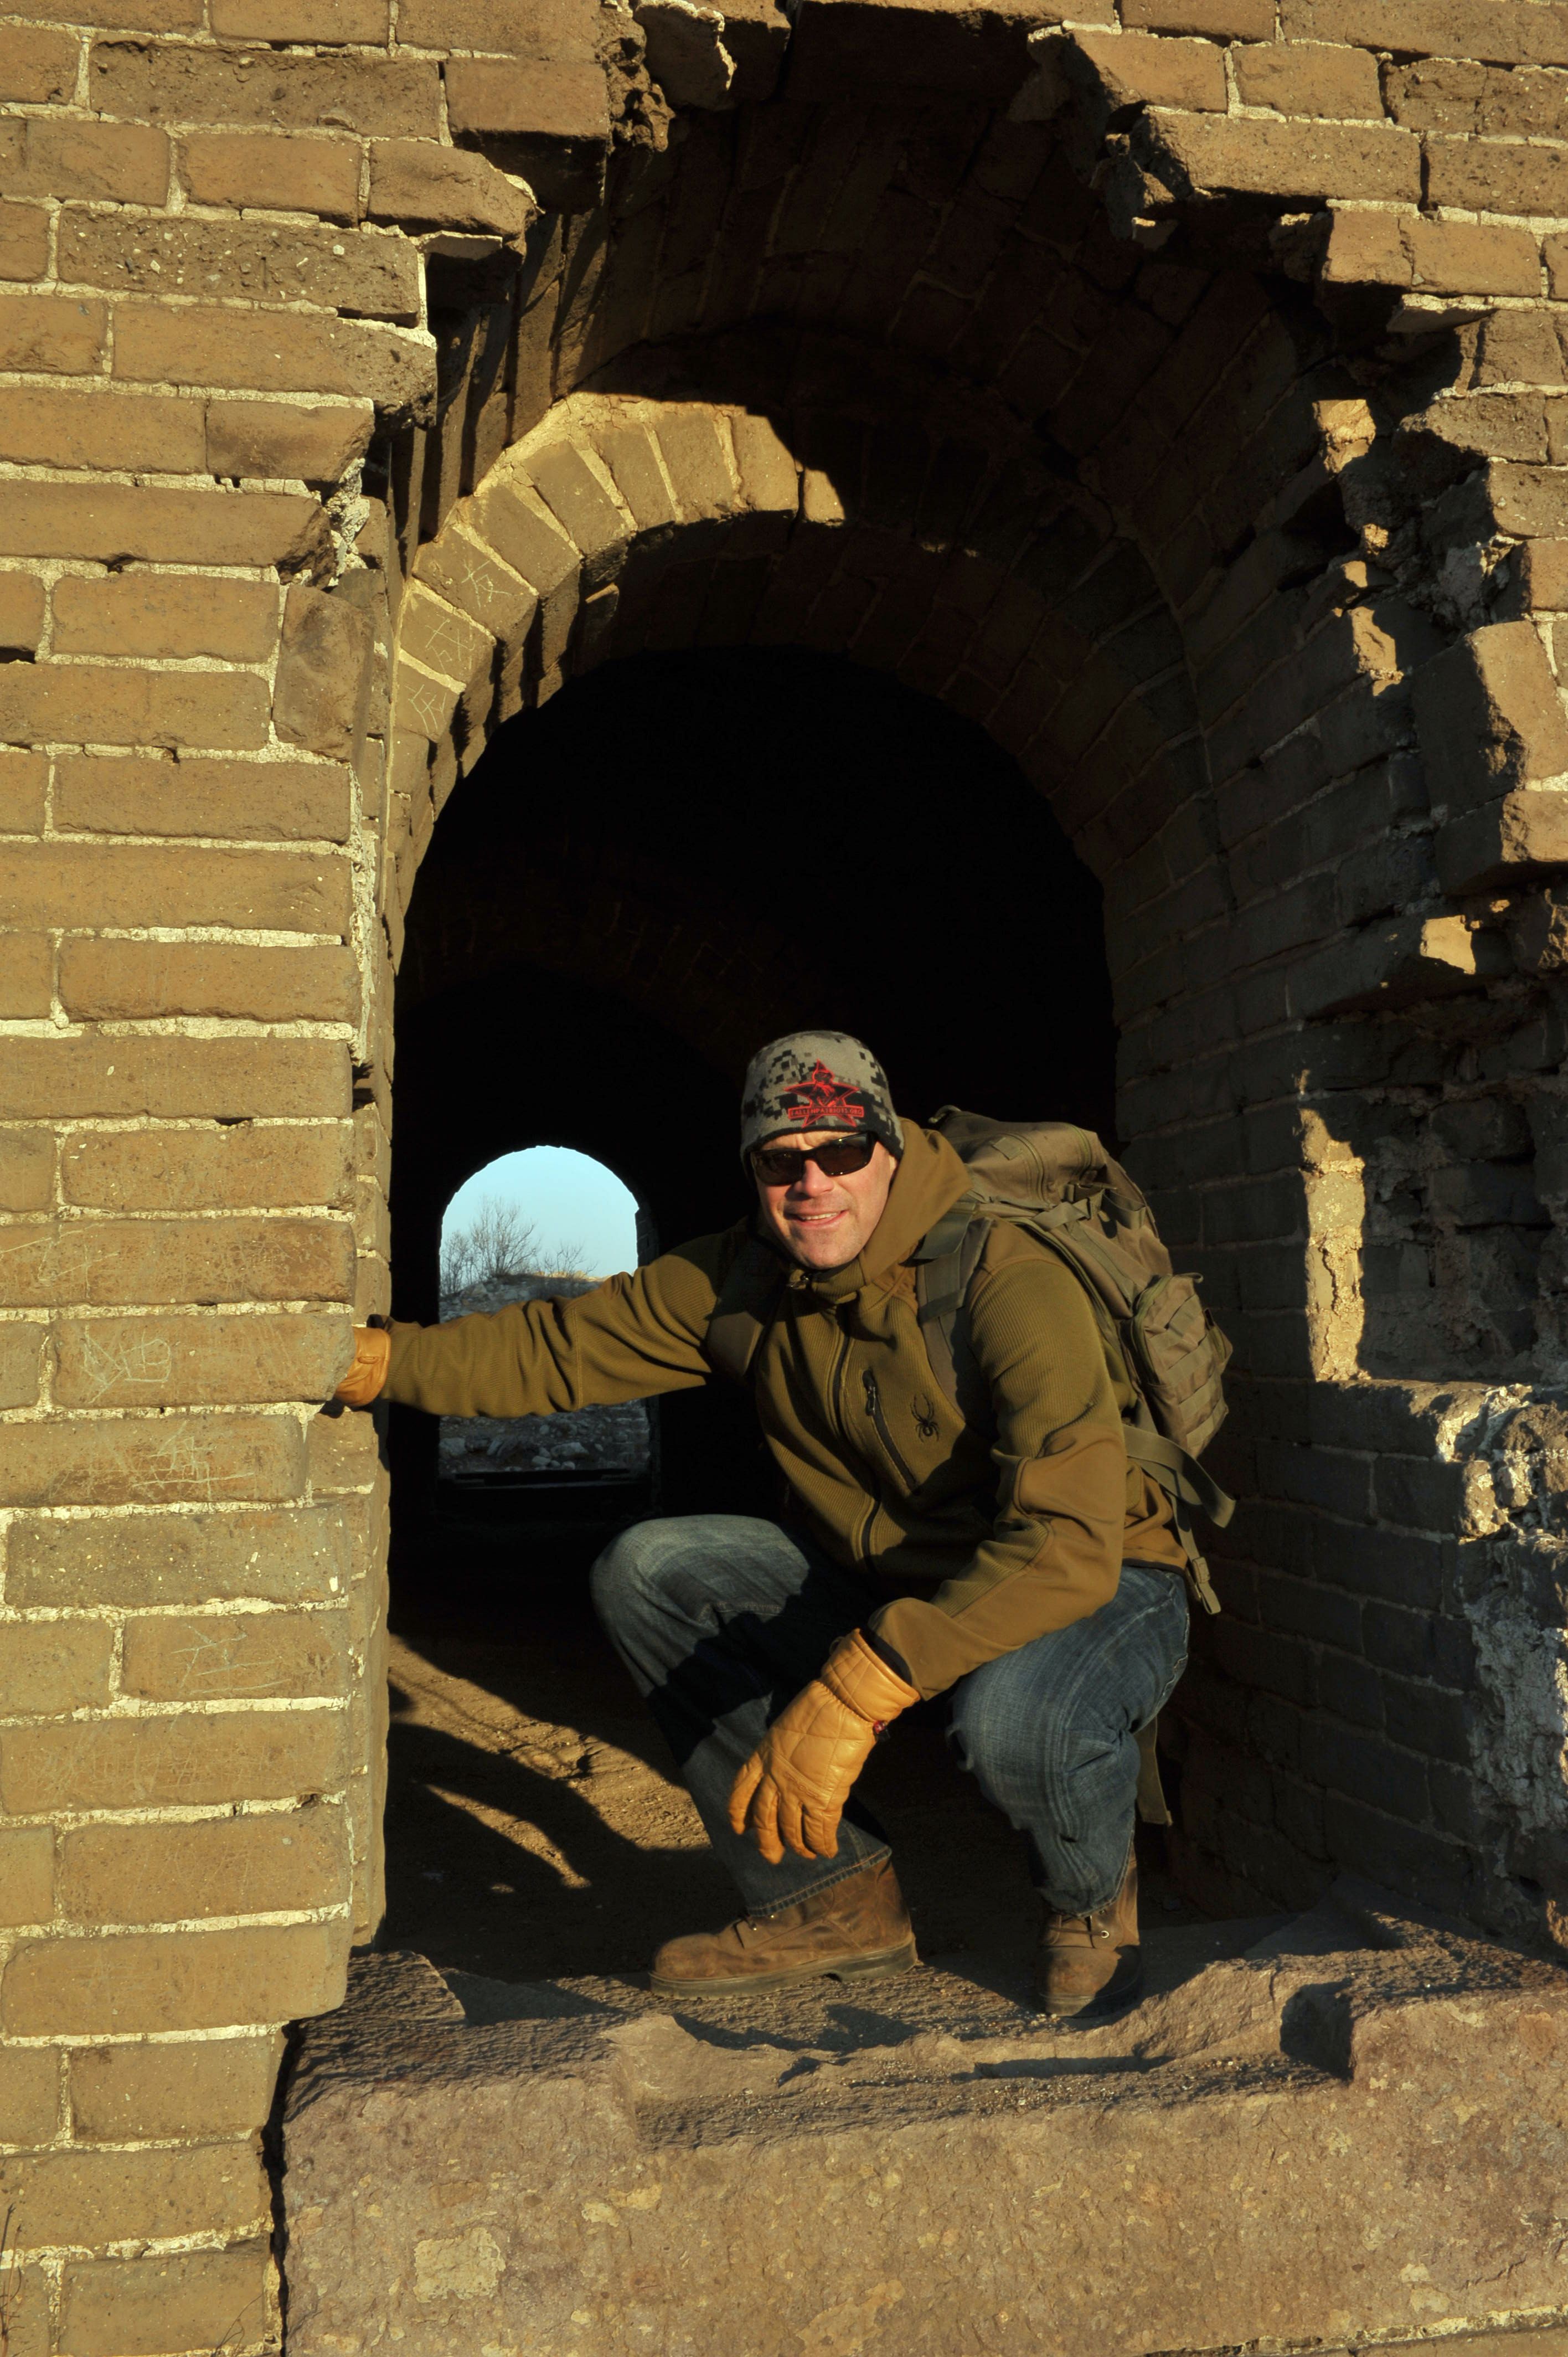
623,524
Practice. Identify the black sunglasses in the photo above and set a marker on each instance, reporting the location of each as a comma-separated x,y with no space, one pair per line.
777,1165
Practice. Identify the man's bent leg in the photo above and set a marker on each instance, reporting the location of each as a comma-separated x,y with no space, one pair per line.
721,1619
1049,1732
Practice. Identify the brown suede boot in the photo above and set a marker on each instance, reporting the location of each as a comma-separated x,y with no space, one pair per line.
1090,1968
858,1928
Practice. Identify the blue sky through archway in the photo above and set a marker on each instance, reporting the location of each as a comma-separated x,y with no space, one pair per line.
576,1204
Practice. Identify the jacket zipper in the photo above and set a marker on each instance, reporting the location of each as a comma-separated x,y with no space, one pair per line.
874,1410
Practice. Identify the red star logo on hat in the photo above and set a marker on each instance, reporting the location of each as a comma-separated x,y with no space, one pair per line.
822,1099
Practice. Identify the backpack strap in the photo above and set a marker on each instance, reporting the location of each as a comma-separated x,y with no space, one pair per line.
1187,1485
748,1304
945,1263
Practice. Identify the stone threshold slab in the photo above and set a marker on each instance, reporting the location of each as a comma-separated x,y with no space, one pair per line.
1351,2126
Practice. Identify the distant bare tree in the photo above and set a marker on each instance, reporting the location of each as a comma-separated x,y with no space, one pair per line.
497,1241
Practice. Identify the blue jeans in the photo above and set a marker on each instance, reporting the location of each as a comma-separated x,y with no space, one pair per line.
722,1619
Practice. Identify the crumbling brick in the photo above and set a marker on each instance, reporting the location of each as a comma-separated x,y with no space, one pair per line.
318,701
411,181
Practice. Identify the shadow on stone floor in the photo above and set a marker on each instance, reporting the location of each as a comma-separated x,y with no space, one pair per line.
536,1828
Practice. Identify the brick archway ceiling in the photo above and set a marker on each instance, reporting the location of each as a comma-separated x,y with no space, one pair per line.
889,514
884,378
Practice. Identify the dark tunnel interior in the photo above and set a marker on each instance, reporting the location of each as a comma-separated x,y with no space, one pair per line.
677,858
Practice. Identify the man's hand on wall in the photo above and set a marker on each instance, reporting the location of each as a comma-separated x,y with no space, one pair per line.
368,1369
791,1791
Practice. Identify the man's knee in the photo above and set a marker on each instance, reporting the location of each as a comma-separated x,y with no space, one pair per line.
631,1573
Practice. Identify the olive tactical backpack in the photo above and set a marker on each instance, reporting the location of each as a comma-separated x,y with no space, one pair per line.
1058,1183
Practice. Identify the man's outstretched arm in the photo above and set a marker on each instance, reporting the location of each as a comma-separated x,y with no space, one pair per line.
629,1338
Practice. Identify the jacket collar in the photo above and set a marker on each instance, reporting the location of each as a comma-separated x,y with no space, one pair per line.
928,1181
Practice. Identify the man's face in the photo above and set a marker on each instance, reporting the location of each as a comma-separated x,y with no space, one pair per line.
824,1222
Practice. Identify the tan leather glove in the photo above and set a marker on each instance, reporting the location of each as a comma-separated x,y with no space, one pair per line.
792,1789
368,1374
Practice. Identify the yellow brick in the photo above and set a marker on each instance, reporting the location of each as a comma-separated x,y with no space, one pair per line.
21,613
275,171
58,156
166,615
270,351
171,1980
237,1866
202,2300
250,801
23,240
47,1667
95,2197
36,67
93,704
81,885
27,1876
157,431
114,980
29,2103
253,1654
303,1557
188,1170
110,521
52,332
213,1079
24,782
192,1758
107,1262
224,2086
26,974
1309,77
26,1170
21,1357
194,1361
276,440
73,1461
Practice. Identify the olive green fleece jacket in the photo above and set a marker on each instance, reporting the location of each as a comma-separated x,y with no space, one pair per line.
984,1534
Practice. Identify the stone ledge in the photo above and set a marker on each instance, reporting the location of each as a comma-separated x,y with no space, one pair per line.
1318,2131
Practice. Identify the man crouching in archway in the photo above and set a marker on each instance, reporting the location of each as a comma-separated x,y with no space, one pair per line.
1005,1549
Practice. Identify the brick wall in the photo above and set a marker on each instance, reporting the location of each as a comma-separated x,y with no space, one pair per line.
1177,388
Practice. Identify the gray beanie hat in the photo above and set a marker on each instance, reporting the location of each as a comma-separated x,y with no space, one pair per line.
813,1080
